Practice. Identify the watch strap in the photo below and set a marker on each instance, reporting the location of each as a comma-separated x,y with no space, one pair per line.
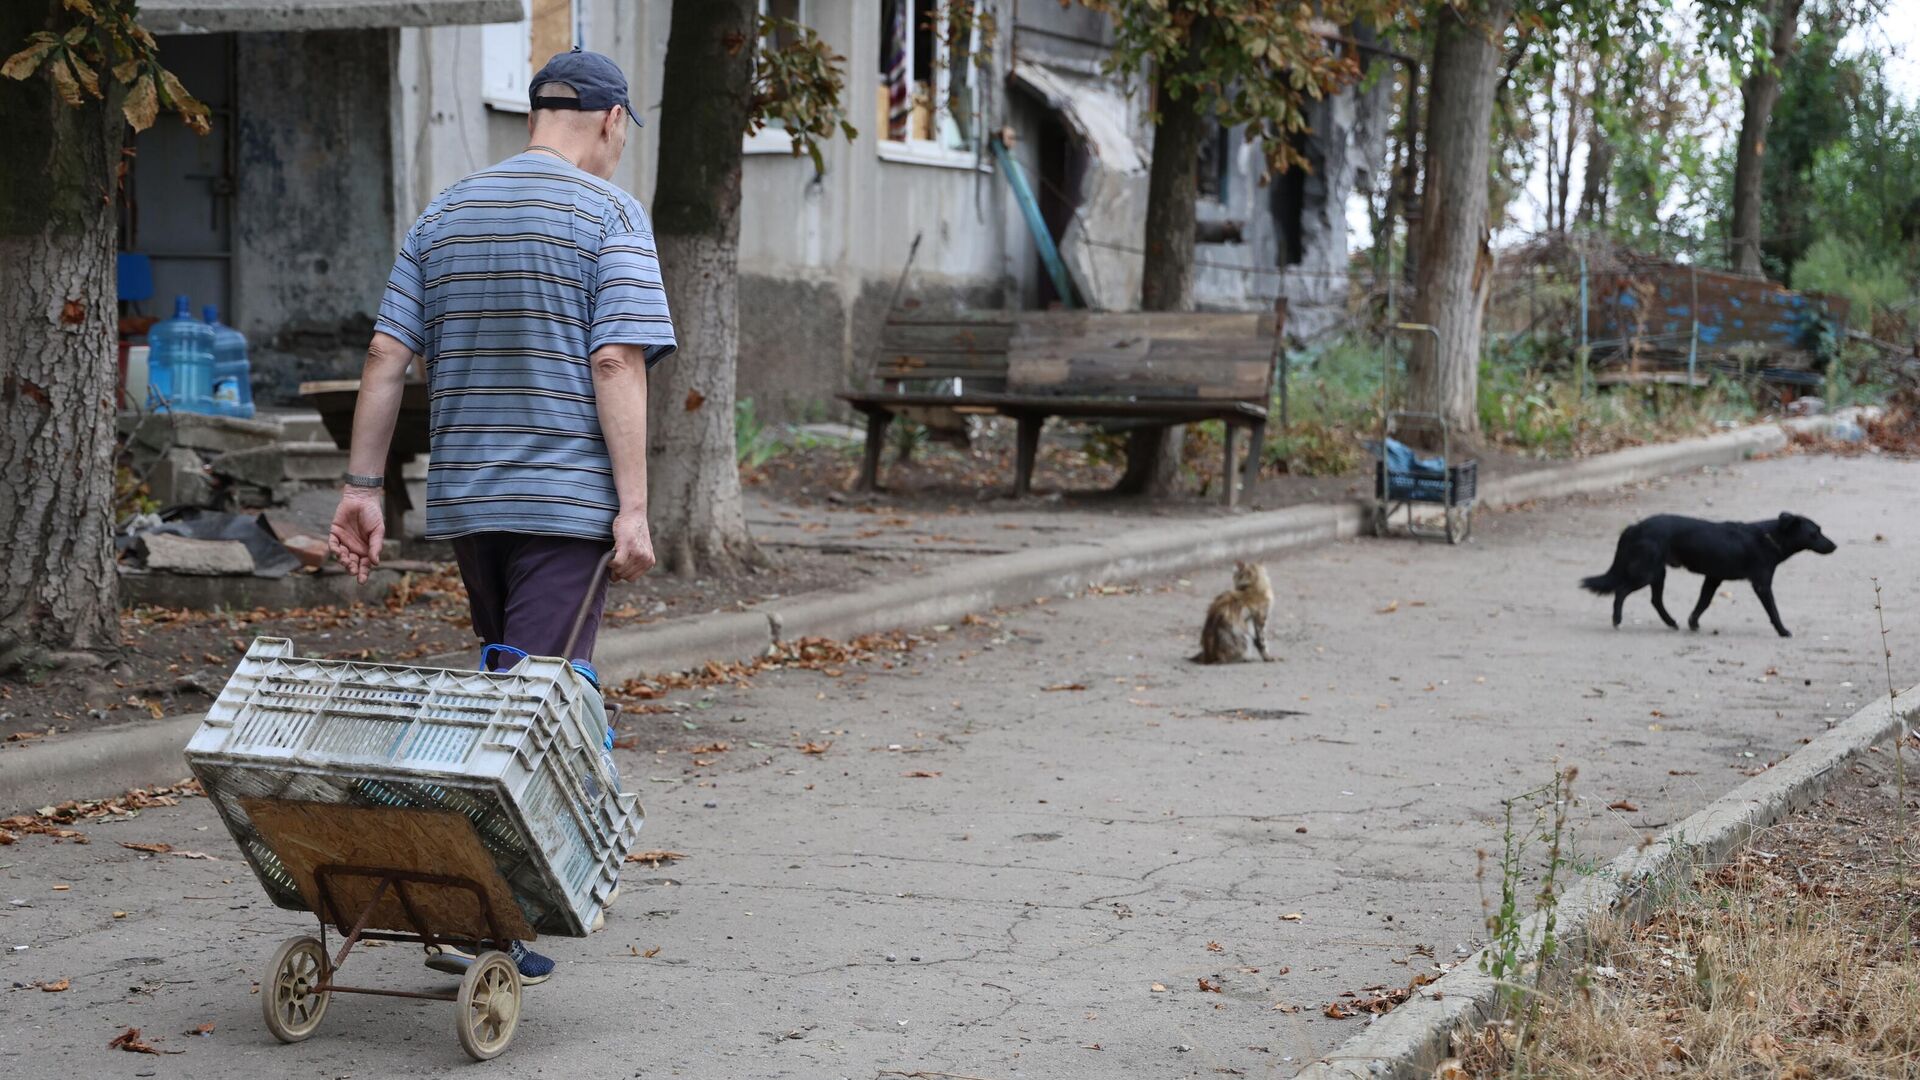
361,481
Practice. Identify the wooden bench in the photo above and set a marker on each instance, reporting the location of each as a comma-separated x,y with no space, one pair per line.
1148,369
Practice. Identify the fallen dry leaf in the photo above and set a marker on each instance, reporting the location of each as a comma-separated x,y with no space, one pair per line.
1623,805
654,858
194,855
61,888
203,1029
1214,946
1292,916
921,774
1337,1011
1157,988
55,986
129,1040
651,953
1283,1007
711,748
119,914
1208,987
152,849
1391,607
1057,687
814,747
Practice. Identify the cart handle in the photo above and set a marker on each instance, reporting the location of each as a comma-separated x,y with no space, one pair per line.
586,603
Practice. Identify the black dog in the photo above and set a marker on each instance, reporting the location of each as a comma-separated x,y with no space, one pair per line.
1717,550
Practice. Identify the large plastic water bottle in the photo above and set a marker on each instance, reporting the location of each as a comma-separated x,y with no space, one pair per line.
181,361
232,376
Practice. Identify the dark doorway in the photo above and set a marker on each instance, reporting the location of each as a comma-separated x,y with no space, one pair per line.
1063,166
178,209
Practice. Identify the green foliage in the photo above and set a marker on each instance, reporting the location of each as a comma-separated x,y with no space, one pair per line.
1251,62
104,39
798,83
754,442
1534,821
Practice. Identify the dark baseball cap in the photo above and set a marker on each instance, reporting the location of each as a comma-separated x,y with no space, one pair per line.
595,78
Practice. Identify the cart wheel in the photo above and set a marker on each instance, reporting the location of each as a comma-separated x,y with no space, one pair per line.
1459,524
288,1002
488,1008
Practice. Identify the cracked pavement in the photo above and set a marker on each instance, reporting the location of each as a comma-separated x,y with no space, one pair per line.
1286,832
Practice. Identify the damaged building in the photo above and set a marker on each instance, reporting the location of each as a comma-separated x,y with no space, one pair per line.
335,122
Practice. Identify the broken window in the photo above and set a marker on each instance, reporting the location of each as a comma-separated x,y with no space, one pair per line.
1216,160
929,92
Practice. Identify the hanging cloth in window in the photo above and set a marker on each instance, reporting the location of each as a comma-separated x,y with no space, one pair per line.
894,71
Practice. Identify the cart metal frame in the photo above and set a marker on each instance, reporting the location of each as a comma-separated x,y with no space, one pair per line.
1458,500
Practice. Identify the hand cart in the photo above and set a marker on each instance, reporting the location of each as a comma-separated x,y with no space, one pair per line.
440,807
1448,484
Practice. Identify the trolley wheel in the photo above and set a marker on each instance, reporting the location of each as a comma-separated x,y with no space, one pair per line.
488,1008
1459,523
289,1003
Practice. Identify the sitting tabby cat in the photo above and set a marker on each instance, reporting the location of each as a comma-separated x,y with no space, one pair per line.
1237,619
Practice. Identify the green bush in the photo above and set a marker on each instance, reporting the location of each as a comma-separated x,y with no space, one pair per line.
1837,265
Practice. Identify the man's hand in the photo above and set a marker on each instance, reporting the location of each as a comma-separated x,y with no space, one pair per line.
632,546
360,528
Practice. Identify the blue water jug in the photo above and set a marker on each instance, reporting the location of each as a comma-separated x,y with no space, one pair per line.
180,362
232,376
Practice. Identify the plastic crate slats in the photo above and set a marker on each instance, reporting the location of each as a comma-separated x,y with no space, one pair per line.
515,753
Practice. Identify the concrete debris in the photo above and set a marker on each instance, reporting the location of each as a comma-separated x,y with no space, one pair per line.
182,555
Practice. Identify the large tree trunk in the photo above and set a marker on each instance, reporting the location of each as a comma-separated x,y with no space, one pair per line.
1153,454
1455,270
694,481
57,365
1758,94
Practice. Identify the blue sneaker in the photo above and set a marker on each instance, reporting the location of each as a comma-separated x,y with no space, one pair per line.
451,960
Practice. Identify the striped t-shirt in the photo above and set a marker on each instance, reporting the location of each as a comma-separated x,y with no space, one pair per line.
505,286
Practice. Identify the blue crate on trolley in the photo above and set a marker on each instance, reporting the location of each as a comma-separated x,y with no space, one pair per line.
519,753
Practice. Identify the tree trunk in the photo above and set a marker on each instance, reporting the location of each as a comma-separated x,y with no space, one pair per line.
694,480
1455,269
1153,454
1593,192
1758,94
57,366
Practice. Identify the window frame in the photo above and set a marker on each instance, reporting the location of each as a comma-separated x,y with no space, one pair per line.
774,138
917,151
506,57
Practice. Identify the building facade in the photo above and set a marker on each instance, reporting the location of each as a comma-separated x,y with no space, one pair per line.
336,122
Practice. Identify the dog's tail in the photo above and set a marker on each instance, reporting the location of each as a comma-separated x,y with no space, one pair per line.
1602,584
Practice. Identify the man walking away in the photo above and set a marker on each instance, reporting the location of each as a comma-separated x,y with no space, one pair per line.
532,293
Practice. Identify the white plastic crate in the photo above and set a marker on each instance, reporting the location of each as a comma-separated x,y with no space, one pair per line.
519,753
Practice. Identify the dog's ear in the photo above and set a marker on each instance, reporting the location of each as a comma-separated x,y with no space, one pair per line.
1787,517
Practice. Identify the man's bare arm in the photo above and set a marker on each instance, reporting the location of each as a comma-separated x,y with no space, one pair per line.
382,382
620,397
359,524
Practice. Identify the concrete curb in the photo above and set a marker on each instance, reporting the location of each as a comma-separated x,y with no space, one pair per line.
1411,1041
94,764
102,762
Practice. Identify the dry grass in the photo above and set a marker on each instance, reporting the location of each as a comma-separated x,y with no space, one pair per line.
1798,960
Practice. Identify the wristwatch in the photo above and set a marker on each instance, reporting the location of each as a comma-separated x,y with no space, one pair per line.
357,480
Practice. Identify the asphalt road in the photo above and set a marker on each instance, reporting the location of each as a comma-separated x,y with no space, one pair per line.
1049,904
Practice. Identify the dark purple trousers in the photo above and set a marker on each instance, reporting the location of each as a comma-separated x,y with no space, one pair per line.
525,590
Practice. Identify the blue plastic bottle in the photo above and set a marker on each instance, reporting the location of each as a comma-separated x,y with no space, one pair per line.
232,376
180,361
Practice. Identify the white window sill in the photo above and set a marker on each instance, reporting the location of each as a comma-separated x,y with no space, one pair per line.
512,105
931,154
768,140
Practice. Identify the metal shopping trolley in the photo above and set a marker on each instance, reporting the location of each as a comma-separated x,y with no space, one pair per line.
1403,478
424,805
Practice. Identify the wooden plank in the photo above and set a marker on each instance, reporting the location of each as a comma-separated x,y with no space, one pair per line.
306,835
944,337
1163,325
